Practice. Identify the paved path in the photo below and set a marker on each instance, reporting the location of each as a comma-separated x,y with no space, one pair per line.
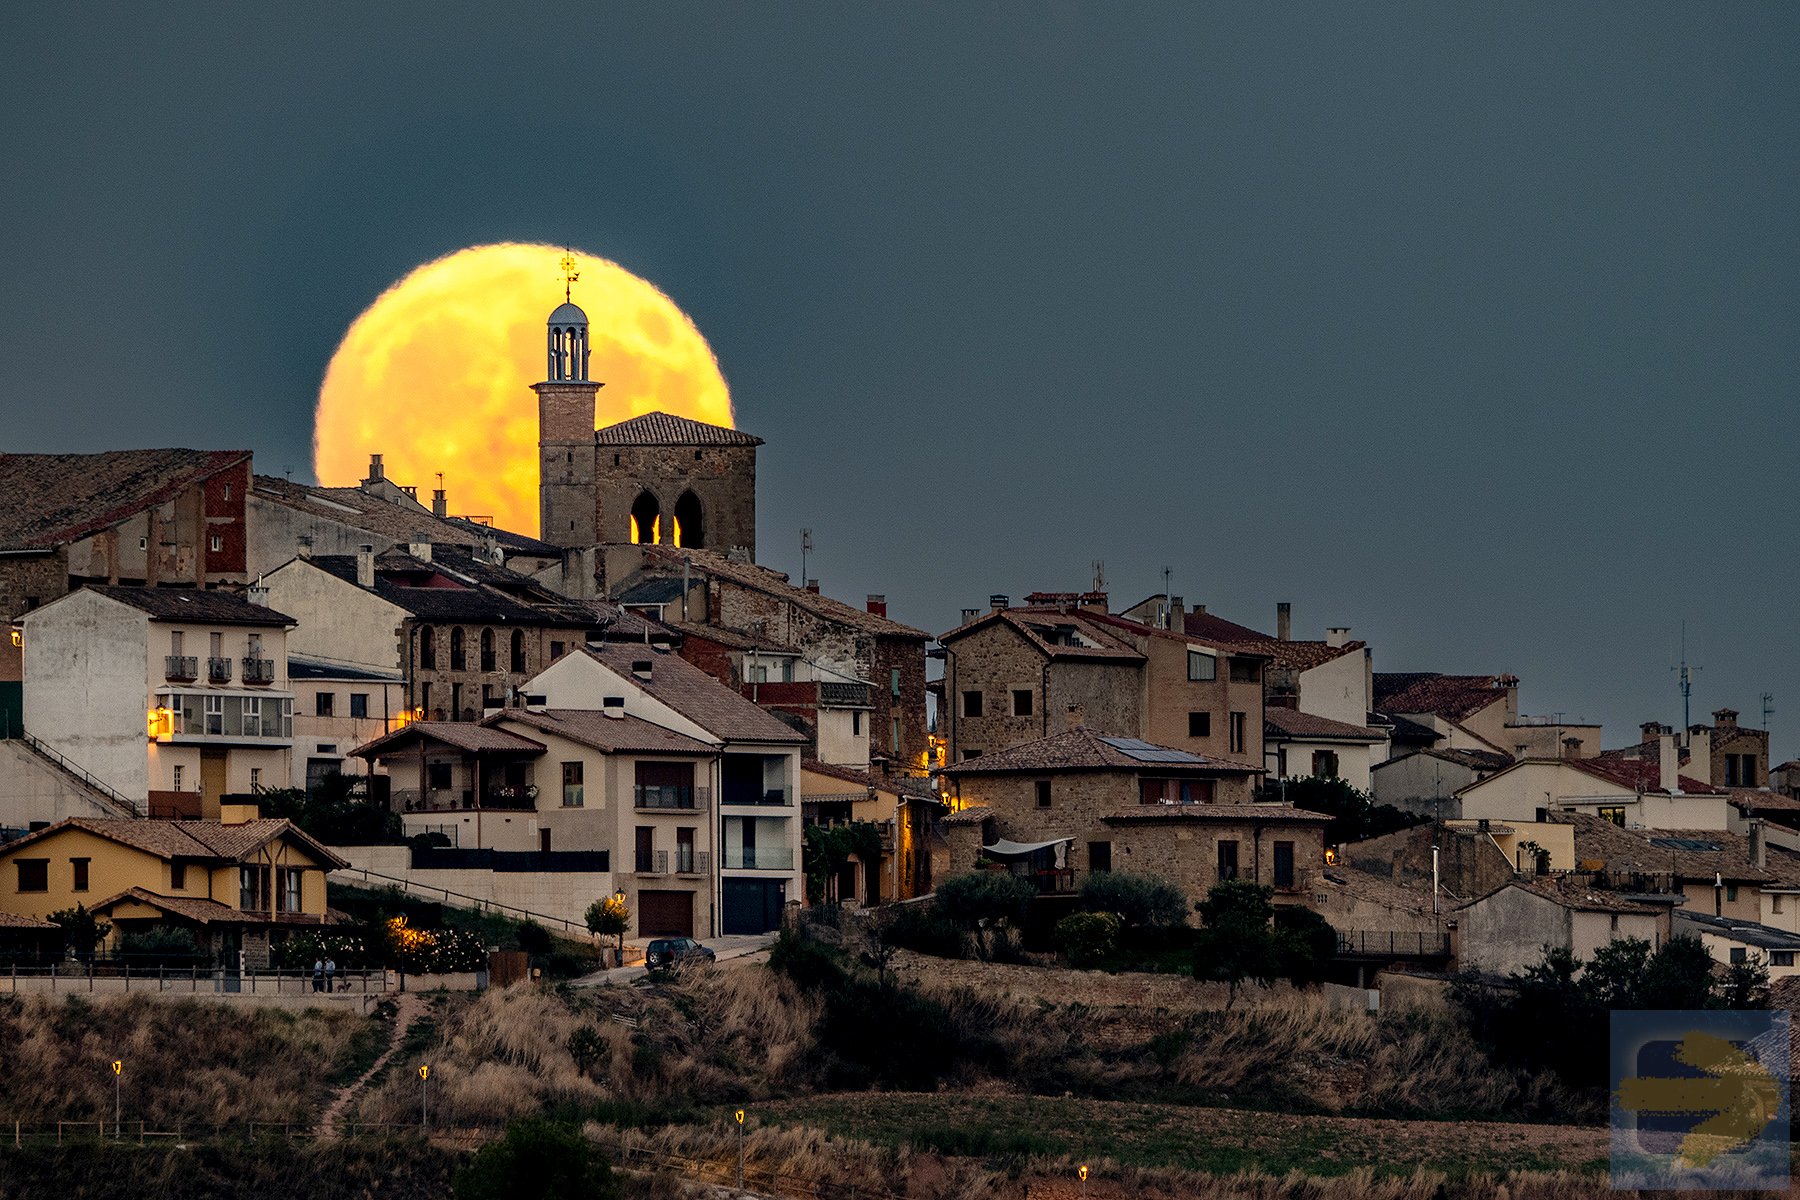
409,1006
734,948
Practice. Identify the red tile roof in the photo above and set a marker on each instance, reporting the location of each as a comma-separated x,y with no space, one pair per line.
1639,774
1050,633
1284,723
610,735
184,839
1082,749
666,429
694,694
1454,697
54,499
464,735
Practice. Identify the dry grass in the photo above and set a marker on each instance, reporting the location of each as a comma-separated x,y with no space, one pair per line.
187,1062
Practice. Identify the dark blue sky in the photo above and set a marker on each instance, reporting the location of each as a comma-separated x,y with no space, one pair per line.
1473,329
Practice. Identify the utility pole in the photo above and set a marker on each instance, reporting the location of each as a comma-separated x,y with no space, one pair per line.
1687,681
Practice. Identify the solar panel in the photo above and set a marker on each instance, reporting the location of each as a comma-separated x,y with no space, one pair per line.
1669,843
1143,751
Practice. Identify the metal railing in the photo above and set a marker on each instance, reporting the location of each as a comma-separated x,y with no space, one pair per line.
775,858
218,670
461,899
102,976
508,799
132,807
669,796
685,861
765,797
1369,943
259,670
184,667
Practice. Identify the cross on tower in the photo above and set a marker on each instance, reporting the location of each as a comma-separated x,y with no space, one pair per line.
570,274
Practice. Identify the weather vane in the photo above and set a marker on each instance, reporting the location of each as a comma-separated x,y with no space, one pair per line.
570,274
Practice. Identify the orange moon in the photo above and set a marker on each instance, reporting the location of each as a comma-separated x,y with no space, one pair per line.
436,374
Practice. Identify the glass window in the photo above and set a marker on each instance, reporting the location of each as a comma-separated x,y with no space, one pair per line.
359,704
1043,793
894,682
1243,670
1021,702
80,866
1199,724
971,704
34,874
1228,861
1202,666
323,703
571,783
1099,856
1237,733
215,714
289,899
1284,864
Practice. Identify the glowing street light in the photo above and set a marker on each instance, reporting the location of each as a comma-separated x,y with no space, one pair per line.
118,1066
424,1074
739,1117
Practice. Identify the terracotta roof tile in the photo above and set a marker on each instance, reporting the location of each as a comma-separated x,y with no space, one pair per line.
1292,723
14,921
1454,697
54,499
975,814
666,429
1084,750
1634,851
183,839
397,524
463,735
611,735
1238,813
203,911
773,583
1639,774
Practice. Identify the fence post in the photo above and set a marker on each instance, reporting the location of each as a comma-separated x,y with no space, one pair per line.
128,976
90,972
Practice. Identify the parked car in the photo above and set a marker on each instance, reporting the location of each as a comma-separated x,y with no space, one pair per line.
667,953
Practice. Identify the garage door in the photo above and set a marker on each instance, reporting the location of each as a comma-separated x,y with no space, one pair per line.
665,914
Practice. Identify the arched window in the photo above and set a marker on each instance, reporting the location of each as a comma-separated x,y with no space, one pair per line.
456,648
646,516
487,650
690,523
518,650
427,648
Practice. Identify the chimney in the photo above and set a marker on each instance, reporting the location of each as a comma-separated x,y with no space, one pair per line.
1199,610
812,585
878,604
1571,747
1759,844
1652,730
1284,622
376,470
257,594
440,505
365,564
303,546
969,614
1092,602
1337,635
997,602
1177,615
613,707
1669,763
642,668
1699,749
419,550
1725,718
1075,716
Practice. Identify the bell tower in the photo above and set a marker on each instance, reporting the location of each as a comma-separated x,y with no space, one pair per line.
566,426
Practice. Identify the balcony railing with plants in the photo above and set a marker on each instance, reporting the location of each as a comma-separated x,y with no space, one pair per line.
259,670
218,670
183,667
753,858
507,797
669,797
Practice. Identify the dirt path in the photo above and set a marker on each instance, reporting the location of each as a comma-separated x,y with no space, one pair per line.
408,1007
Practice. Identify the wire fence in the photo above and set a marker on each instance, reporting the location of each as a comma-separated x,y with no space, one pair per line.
112,978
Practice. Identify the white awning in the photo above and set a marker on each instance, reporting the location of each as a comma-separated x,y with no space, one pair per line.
1005,849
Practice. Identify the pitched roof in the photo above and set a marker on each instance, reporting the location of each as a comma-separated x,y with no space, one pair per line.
395,523
463,735
203,911
1408,732
54,499
185,839
772,583
1688,853
1755,800
1372,888
1082,749
1487,761
1292,723
611,735
1454,697
1639,774
14,921
1284,814
301,666
1574,893
975,814
1750,933
667,429
1055,633
694,694
195,606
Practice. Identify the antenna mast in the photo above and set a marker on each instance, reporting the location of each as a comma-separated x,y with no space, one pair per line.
1768,707
805,549
1687,682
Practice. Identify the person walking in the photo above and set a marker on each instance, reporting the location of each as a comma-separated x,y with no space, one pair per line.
318,974
330,972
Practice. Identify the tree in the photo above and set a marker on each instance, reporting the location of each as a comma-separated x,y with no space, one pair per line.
337,812
1088,939
986,902
82,930
1306,942
1354,814
1745,985
610,915
1237,942
1139,901
537,1160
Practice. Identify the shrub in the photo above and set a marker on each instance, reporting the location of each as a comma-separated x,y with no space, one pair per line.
533,938
161,945
807,961
82,930
985,902
1088,939
1140,901
923,928
537,1158
609,915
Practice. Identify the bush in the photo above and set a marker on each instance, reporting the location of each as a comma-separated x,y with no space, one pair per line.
923,928
533,938
537,1158
609,915
161,945
1140,901
985,902
807,961
1088,939
82,930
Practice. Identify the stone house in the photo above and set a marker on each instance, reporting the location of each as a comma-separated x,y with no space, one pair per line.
1080,802
1480,712
1726,754
1013,675
1507,930
1426,781
173,518
902,809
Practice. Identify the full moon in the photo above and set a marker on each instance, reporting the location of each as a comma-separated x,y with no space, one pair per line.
435,376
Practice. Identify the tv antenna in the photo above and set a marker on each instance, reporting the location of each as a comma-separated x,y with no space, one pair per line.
805,549
1099,575
1687,681
1768,707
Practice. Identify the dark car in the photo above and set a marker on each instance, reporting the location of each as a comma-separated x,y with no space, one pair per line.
666,953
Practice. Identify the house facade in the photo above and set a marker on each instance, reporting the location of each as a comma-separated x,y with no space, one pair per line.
1507,930
1630,792
172,697
336,709
902,810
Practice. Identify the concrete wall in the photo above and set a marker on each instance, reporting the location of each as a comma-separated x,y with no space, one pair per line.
86,689
339,622
1422,784
1338,689
33,790
561,895
1507,931
1296,756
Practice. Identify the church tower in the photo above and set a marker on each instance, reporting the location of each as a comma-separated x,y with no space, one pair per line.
566,515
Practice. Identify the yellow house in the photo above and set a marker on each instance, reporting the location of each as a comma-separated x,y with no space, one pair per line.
239,883
901,809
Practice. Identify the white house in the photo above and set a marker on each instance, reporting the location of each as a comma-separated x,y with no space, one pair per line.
1298,744
336,709
1731,940
1626,791
172,697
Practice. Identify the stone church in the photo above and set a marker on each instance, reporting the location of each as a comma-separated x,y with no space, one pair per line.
656,479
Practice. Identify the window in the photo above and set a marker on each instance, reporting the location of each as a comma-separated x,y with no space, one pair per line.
437,775
1099,857
487,650
458,661
288,898
425,699
215,713
556,650
684,849
1243,670
1731,891
1284,864
1781,958
1739,954
323,704
218,542
176,638
256,779
856,722
1613,813
1228,861
1325,764
228,491
34,874
971,704
175,778
894,682
1021,702
1199,724
1202,666
427,648
215,645
571,779
969,754
143,543
253,889
81,873
518,650
456,702
894,735
177,875
1237,733
359,704
1042,788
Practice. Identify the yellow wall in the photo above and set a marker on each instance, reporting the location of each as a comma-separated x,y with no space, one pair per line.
1558,839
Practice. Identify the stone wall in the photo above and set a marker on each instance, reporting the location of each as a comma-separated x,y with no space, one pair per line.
566,463
721,478
994,661
27,581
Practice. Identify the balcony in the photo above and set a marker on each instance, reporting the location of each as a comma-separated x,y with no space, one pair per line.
753,858
218,670
259,670
684,860
183,668
763,798
499,797
668,797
